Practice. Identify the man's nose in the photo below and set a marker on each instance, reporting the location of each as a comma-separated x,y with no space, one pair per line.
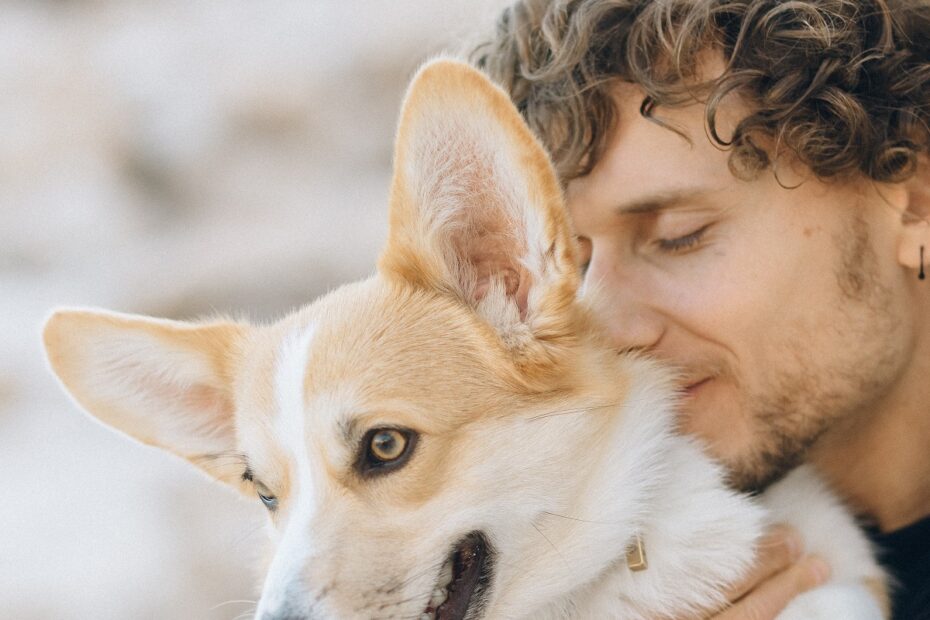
623,304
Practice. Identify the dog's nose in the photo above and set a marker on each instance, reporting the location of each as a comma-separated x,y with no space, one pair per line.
284,615
287,610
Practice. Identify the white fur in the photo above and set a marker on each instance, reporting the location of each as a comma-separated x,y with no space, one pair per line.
561,534
827,529
648,482
849,601
295,544
559,482
560,497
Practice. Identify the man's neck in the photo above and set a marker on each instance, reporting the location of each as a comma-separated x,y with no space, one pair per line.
880,462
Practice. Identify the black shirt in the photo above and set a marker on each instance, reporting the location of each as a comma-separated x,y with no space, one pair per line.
905,553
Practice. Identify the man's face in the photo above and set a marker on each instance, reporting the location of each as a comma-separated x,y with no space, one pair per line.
781,307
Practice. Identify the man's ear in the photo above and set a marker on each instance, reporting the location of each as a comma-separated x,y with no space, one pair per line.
916,219
164,383
476,208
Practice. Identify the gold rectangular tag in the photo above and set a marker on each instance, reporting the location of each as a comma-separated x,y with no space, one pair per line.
636,556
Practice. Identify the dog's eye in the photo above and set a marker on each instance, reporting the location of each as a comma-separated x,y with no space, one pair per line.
264,494
386,449
388,444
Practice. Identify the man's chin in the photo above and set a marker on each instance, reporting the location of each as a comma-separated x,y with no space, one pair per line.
754,458
766,460
707,414
752,476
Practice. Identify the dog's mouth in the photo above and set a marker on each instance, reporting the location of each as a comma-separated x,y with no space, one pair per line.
463,580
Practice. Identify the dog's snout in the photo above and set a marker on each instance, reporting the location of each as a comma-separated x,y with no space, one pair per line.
286,615
290,608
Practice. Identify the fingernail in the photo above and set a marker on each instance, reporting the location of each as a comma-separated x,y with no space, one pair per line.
819,569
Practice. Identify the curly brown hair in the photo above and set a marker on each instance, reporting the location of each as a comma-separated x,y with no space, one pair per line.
843,85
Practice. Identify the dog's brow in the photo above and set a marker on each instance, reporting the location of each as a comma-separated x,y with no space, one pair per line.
348,427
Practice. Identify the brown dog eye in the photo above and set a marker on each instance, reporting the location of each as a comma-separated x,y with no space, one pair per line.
388,444
385,449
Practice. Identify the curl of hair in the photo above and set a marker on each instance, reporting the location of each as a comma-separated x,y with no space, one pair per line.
843,85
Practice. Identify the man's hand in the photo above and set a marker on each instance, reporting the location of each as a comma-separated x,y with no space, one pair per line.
780,574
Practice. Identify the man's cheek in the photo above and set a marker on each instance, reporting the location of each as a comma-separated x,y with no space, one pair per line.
714,412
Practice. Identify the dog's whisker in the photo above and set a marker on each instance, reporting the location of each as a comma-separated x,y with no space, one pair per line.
555,514
393,586
434,568
233,602
551,544
246,614
408,599
558,412
397,604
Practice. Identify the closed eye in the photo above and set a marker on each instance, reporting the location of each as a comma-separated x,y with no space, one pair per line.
680,244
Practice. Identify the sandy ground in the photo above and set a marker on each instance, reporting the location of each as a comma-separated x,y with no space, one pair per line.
175,158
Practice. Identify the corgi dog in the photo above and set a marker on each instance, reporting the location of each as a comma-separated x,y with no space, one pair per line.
451,438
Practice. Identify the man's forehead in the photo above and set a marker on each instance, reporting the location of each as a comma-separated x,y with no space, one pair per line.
648,198
653,163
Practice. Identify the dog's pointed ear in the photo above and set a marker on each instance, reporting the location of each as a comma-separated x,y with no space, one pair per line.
476,207
164,383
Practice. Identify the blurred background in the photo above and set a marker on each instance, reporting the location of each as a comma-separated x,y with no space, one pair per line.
175,158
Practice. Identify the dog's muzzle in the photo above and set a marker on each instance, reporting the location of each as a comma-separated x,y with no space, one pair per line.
462,587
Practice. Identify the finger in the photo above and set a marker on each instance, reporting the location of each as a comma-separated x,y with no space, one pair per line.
777,550
773,595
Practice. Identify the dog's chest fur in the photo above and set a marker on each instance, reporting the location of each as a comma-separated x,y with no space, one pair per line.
698,536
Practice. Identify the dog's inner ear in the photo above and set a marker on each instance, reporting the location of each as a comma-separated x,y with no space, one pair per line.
163,383
481,236
476,209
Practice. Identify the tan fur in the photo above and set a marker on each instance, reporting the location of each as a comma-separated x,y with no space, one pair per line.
445,86
67,332
472,336
379,357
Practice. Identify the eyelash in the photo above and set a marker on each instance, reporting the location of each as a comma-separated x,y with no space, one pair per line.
672,246
680,244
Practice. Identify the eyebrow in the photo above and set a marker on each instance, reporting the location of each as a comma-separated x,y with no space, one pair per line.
661,201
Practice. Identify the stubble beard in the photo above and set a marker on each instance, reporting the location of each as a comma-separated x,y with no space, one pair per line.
788,418
804,399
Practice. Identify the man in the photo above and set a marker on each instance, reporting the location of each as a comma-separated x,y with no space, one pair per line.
750,184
